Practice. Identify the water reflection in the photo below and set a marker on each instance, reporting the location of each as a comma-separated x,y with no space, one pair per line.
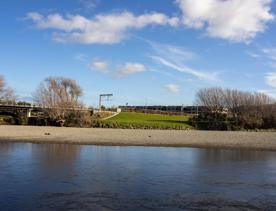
57,177
55,156
7,147
217,156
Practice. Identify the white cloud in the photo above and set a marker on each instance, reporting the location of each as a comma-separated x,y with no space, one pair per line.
234,20
172,88
270,79
36,17
102,29
130,68
100,66
124,70
176,58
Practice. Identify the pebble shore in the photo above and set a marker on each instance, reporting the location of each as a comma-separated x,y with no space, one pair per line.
126,137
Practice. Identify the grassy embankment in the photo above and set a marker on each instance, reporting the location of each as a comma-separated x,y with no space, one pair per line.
129,120
147,121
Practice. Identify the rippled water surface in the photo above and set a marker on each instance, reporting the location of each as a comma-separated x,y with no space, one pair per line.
62,177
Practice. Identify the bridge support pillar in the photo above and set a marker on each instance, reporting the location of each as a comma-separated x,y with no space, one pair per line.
29,113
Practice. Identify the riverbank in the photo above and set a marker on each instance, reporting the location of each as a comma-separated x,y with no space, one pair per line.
125,137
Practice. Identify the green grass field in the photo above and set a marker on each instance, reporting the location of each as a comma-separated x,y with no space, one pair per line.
141,120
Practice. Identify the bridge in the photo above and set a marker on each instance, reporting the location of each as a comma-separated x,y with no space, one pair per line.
23,112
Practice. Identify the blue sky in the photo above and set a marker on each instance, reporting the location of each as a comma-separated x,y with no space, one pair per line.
144,52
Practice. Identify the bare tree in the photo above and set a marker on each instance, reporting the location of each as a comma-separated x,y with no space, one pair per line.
6,93
2,83
59,96
235,101
245,109
212,98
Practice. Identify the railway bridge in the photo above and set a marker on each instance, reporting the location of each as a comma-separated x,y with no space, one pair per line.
23,112
20,113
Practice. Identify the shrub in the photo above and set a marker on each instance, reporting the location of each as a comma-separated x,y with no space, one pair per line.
8,120
211,121
78,119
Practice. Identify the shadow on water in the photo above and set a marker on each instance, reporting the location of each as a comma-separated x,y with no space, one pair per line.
61,177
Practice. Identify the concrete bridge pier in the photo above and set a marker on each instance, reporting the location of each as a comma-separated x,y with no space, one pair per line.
29,113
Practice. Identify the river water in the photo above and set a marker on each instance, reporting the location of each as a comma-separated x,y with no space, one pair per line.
62,177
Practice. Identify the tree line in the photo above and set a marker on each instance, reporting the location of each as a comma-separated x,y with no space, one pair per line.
230,109
224,109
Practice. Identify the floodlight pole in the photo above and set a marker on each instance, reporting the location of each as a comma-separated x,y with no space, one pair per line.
100,99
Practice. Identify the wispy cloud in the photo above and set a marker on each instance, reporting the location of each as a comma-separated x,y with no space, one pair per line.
175,53
270,53
270,79
89,4
174,88
185,69
176,58
81,57
265,54
254,55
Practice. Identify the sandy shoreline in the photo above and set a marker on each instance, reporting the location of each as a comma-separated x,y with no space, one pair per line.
124,137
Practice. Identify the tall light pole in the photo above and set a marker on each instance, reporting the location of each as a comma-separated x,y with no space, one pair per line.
102,96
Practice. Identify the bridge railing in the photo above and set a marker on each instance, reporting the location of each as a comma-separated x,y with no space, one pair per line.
35,106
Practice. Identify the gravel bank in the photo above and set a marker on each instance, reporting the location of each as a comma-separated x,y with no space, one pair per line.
172,138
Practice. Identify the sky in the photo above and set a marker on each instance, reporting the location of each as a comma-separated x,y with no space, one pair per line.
154,52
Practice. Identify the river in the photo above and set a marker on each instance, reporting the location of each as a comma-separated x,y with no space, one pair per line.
83,177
